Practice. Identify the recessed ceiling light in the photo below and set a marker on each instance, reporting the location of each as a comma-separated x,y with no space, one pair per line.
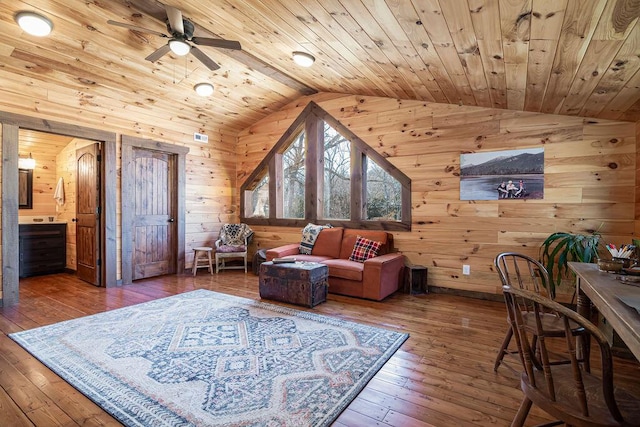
204,89
34,24
303,59
179,47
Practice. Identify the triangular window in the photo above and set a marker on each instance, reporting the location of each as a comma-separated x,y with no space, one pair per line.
320,172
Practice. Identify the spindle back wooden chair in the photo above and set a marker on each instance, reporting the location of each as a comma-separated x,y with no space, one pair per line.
520,271
566,391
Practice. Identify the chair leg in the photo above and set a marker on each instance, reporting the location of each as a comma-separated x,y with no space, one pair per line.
585,343
503,349
194,268
245,263
210,263
523,412
217,262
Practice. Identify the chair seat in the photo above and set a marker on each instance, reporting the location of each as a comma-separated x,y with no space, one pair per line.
566,400
551,324
231,249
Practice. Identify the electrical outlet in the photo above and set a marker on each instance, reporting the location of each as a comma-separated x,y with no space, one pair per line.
466,269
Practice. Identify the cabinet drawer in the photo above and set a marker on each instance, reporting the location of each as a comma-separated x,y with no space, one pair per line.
40,254
43,267
35,243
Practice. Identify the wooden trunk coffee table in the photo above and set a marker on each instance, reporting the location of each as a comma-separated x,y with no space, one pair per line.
301,283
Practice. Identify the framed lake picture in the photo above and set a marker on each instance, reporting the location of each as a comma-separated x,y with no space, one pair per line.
496,175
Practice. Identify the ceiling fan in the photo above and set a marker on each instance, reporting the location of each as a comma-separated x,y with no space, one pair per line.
180,39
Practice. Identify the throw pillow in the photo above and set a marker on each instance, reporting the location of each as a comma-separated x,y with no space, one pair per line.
364,249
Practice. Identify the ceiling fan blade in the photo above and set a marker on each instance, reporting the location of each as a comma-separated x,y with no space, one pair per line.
158,53
135,28
225,44
175,19
204,58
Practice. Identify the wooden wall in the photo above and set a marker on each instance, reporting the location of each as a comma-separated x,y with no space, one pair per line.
210,168
590,179
44,148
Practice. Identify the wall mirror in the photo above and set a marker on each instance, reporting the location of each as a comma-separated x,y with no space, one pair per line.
25,188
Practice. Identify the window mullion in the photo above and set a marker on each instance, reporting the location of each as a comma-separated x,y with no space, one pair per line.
313,164
276,197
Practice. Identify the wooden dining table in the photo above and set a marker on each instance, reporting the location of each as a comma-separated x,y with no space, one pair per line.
606,292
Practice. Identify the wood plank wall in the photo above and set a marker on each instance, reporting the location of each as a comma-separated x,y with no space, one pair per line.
44,175
590,179
211,168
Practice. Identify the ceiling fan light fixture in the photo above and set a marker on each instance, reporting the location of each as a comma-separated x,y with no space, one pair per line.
34,24
179,47
204,89
303,59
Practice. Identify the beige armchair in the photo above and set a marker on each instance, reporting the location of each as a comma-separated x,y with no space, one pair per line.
233,244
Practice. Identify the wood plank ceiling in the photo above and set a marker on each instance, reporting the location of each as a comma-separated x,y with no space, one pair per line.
572,57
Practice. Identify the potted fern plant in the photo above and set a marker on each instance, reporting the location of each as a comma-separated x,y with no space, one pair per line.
560,248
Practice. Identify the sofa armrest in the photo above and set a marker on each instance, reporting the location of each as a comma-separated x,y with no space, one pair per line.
282,251
381,275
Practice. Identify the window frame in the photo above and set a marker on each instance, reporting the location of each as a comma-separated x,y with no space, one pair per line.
311,121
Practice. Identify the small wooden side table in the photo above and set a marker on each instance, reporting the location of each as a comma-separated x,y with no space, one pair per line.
202,259
415,279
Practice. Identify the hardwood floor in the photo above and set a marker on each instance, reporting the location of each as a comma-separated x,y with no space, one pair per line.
442,375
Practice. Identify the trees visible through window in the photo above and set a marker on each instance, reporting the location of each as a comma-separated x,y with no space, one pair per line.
320,172
384,194
337,175
259,197
293,178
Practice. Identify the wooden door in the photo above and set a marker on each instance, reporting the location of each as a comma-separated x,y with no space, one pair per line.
88,213
153,222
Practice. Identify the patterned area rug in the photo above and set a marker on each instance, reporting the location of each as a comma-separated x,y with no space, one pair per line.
209,359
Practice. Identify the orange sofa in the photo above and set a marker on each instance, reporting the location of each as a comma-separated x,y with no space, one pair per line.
375,278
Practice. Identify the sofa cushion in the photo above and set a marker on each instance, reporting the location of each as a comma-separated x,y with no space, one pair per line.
364,249
328,242
350,236
344,269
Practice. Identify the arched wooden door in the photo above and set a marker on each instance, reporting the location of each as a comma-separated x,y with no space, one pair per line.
88,213
153,229
152,209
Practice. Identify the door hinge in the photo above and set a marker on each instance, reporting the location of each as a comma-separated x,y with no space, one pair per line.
99,157
98,262
98,210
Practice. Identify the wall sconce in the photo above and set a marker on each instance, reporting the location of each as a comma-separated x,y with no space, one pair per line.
204,89
303,59
34,24
26,162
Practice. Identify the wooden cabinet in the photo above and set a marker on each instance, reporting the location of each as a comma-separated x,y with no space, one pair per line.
42,248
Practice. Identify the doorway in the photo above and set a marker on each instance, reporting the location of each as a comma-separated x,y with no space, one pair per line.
11,124
153,187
